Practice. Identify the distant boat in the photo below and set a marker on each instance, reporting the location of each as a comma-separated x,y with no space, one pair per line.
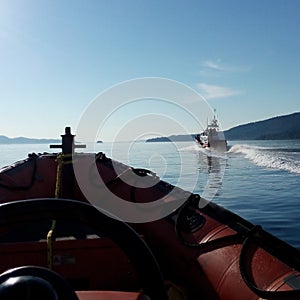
212,137
99,142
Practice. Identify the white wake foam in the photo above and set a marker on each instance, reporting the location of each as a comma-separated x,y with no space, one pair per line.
207,152
268,157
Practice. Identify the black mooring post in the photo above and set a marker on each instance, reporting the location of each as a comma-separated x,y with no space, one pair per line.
67,144
67,172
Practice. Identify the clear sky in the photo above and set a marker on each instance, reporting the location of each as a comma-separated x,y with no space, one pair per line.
56,56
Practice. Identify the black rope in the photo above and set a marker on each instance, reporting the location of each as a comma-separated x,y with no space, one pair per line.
248,252
142,172
193,201
138,171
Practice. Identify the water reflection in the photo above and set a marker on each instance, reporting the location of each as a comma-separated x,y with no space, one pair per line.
211,170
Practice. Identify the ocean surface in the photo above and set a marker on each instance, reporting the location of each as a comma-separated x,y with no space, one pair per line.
259,180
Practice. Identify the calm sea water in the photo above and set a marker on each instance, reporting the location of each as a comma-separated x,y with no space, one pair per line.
259,180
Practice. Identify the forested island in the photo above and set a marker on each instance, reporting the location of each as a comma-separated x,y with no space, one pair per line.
285,127
278,128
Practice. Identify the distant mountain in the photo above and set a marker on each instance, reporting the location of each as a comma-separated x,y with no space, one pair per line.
23,140
277,128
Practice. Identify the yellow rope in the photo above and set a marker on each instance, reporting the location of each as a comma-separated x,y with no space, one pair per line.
50,235
59,160
174,291
50,245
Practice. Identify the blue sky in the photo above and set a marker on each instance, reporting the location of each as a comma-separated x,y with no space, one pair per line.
57,56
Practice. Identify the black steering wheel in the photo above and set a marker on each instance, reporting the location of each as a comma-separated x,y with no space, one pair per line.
70,210
33,282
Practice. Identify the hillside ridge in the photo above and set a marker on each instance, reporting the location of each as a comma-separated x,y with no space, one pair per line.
276,128
280,127
24,140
